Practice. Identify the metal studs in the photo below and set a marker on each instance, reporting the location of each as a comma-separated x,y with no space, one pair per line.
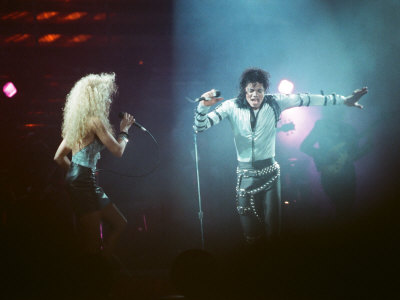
249,194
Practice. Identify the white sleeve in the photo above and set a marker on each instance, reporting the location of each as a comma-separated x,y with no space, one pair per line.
204,119
286,101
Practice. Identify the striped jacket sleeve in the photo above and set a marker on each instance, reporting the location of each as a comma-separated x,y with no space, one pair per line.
204,119
297,100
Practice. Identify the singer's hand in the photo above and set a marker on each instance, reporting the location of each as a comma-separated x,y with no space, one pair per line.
213,99
126,122
353,99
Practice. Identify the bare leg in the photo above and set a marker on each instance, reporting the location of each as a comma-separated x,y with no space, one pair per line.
89,232
111,215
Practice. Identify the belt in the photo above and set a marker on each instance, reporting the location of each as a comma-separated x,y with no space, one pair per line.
257,173
258,164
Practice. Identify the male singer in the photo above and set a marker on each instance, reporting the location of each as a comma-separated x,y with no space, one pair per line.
253,116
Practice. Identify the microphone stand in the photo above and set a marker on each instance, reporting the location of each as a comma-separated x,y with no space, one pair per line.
200,213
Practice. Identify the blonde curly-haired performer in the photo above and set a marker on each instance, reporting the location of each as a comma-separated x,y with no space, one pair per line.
86,131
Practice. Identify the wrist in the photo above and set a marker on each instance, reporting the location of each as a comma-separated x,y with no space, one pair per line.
123,136
202,106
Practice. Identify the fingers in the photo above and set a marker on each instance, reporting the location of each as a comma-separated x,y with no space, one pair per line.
207,95
210,94
358,105
361,92
364,90
210,98
357,94
129,118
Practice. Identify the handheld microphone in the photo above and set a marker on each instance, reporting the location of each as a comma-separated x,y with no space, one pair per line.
121,115
216,94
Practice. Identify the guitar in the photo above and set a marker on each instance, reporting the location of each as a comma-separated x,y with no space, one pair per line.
333,161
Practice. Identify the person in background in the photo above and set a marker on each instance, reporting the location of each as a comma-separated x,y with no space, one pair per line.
334,146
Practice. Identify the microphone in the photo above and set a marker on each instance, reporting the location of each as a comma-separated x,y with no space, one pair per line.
121,116
216,94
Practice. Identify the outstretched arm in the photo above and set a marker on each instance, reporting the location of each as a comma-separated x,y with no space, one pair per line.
286,101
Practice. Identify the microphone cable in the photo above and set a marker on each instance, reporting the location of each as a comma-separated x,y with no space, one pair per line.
157,164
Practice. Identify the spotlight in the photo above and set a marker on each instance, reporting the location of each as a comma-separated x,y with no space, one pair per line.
285,87
9,89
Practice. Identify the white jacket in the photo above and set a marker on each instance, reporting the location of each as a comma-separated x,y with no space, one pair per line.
260,143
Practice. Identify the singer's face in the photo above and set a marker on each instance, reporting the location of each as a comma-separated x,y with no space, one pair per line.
255,94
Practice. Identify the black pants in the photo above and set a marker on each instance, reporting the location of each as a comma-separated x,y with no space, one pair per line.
262,216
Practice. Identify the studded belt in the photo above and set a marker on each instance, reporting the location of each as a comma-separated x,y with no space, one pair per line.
273,170
255,172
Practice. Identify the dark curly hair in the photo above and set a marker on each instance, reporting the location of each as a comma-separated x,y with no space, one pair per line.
251,75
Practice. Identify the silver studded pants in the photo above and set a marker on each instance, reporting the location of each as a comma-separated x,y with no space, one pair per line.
258,200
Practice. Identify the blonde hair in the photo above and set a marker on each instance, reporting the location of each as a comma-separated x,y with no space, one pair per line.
90,97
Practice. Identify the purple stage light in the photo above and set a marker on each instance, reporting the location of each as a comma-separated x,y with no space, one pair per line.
285,87
299,121
9,89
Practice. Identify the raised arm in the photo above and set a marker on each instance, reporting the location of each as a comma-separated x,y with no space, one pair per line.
202,118
115,146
